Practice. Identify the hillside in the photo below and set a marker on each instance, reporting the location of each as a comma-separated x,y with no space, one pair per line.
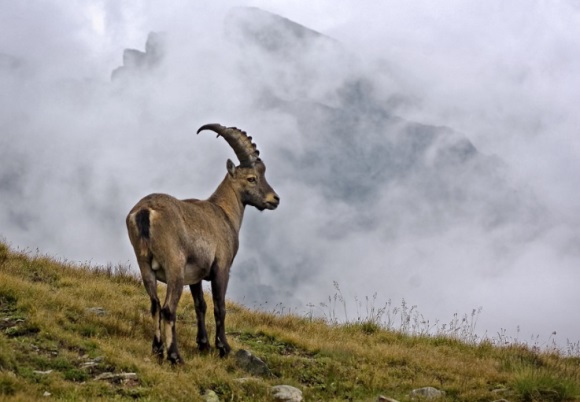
63,325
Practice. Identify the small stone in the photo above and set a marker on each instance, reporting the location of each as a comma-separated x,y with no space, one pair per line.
286,393
127,376
97,311
210,396
244,380
42,372
251,363
46,393
107,376
104,376
383,398
427,393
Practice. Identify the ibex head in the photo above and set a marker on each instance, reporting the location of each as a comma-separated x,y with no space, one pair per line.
249,177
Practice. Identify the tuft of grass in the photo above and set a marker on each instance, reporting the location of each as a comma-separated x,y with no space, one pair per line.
539,384
63,324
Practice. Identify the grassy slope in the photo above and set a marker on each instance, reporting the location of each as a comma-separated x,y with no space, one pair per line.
46,324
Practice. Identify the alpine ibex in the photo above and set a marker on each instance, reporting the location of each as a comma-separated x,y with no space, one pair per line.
182,242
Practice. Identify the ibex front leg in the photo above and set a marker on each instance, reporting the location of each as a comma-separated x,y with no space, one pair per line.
200,309
219,285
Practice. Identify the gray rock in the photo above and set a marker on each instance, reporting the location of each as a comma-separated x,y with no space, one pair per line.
286,393
115,376
90,363
427,393
136,61
503,392
210,396
97,311
251,363
104,376
383,398
42,372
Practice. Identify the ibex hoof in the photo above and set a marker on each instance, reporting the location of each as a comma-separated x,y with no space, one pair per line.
175,359
157,350
203,347
224,350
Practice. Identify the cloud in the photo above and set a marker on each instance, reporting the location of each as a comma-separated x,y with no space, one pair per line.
421,152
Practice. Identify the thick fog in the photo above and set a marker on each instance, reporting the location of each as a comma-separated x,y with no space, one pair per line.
421,152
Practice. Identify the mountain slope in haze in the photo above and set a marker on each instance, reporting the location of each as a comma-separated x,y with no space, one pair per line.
346,151
360,133
369,153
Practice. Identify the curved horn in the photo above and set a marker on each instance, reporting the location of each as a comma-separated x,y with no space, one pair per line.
240,142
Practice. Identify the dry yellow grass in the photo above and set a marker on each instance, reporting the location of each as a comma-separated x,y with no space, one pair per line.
48,334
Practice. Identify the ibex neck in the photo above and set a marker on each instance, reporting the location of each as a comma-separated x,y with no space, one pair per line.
229,201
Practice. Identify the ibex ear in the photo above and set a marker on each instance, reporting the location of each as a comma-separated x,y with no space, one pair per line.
231,167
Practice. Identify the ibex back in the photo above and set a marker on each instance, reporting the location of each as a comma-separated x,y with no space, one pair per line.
182,242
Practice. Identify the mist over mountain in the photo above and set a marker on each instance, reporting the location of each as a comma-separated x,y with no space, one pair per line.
374,195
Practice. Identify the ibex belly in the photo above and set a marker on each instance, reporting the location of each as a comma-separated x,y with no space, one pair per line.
194,274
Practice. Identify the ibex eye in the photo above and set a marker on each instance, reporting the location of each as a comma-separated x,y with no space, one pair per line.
252,179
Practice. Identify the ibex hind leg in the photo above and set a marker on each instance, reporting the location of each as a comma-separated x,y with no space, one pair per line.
168,313
150,283
170,336
157,346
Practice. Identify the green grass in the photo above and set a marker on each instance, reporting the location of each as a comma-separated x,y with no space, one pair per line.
53,341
